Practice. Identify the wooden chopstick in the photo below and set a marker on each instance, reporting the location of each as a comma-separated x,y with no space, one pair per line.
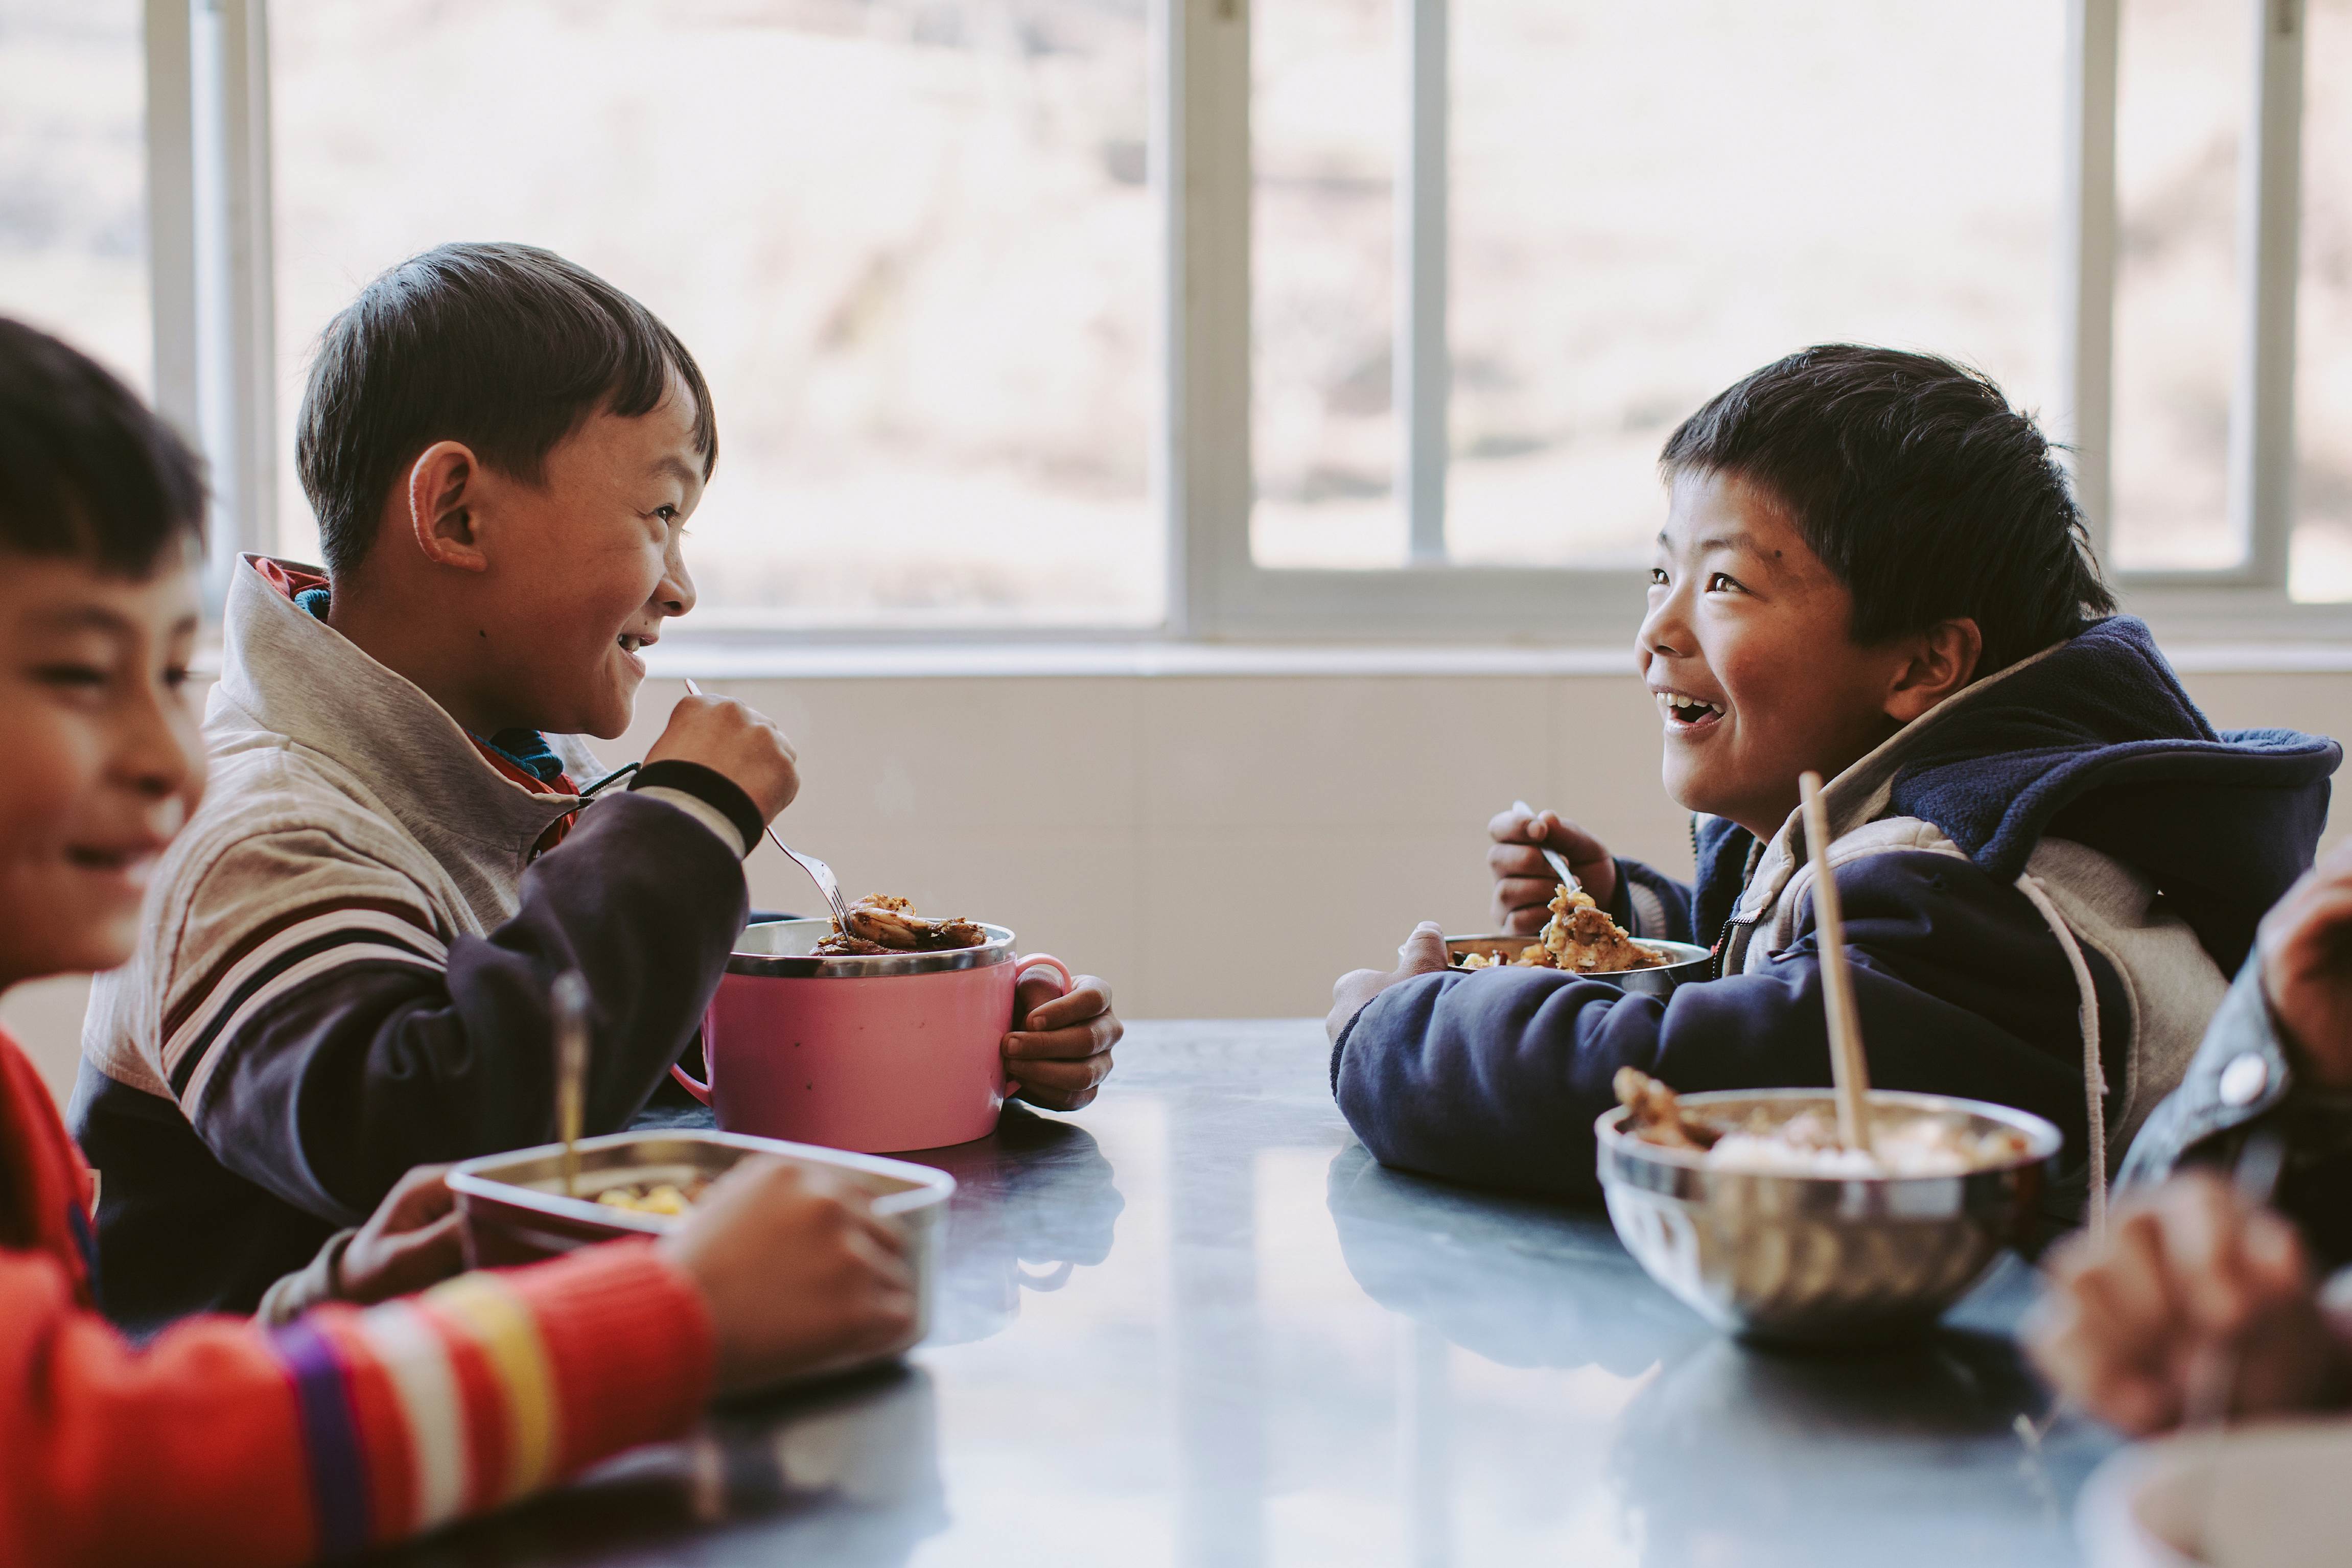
1847,1067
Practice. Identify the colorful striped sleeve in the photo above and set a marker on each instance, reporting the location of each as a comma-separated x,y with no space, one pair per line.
489,1387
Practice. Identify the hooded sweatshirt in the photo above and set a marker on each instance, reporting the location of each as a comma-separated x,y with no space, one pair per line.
345,961
2046,882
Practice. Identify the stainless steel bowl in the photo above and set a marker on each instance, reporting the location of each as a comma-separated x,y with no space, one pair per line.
786,947
513,1209
1810,1259
1685,962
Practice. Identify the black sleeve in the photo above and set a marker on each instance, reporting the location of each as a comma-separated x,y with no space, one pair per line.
334,1089
1495,1077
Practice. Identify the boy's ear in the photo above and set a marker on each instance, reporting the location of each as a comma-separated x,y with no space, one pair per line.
1936,662
444,489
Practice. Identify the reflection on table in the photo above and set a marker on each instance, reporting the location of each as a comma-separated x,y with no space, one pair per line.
1197,1325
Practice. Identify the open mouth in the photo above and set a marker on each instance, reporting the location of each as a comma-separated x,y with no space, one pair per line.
1683,711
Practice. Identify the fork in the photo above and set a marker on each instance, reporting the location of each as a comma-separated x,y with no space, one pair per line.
819,872
1552,857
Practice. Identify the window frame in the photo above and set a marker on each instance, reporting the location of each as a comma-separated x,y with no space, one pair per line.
209,190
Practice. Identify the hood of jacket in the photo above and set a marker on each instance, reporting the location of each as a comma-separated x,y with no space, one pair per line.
285,673
2093,740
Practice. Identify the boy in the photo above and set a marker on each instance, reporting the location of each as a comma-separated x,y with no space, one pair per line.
346,959
2049,861
223,1442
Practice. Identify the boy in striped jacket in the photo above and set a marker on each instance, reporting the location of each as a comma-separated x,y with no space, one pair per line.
225,1441
344,965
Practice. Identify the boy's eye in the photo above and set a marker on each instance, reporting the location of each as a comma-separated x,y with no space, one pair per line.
1721,582
177,677
70,675
666,512
1657,577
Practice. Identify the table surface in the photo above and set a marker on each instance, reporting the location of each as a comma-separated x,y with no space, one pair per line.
1196,1325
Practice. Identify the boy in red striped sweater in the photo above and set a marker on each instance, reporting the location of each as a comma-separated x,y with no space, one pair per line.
224,1441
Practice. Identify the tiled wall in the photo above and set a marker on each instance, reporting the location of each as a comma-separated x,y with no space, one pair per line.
1214,846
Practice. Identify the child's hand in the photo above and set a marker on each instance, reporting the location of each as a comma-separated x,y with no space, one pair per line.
2191,1295
1059,1051
740,742
409,1242
2307,947
1524,884
797,1270
1423,953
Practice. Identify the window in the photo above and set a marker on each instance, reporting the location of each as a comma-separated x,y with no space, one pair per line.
2322,566
1305,319
911,243
73,164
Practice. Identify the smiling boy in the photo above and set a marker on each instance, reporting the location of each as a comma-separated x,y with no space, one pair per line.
345,964
224,1441
2048,861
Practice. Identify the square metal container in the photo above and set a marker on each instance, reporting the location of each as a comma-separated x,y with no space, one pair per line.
514,1211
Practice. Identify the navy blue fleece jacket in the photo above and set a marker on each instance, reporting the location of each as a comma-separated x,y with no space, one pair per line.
1495,1077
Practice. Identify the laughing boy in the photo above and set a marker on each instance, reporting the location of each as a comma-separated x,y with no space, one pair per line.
2050,863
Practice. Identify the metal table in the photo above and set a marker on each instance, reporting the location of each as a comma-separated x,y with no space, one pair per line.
1196,1325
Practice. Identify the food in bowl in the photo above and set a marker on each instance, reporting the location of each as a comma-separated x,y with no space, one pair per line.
1580,938
883,923
671,1198
1807,1143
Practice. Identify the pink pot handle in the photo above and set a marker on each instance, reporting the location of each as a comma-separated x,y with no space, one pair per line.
699,1090
1020,966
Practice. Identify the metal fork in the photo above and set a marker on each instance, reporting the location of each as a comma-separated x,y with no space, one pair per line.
1552,857
819,872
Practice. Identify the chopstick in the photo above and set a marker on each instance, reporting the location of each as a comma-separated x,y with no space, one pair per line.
1847,1067
570,999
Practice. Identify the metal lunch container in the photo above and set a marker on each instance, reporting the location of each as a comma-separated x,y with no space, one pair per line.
1817,1259
513,1208
1686,963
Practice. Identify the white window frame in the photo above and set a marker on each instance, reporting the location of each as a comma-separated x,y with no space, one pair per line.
209,217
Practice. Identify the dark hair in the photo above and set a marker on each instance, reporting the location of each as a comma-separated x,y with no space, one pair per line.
507,348
1915,481
87,469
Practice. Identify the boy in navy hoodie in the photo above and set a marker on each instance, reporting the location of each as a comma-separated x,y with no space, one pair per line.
2050,863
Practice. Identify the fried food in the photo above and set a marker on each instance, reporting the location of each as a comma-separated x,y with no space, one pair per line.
1581,936
655,1196
883,923
1658,1113
1807,1143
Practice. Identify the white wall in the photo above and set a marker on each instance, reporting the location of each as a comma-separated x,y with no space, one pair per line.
1216,846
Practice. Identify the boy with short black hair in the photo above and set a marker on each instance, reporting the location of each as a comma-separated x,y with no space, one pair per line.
2049,861
346,964
222,1441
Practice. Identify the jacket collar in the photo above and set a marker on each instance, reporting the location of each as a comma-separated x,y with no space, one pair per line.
1860,793
293,675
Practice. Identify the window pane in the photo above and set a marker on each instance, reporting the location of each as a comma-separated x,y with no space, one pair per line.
2184,86
2323,392
1326,118
1651,200
73,170
911,243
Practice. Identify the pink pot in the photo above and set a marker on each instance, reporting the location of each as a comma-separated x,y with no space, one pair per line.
872,1054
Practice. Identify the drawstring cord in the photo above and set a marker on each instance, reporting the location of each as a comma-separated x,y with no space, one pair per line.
2095,1075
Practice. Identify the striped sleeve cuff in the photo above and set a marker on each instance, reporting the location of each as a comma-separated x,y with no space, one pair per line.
275,957
490,1387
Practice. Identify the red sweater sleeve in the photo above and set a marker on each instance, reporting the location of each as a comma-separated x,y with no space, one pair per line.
223,1442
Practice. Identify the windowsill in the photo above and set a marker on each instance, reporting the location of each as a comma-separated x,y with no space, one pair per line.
1013,659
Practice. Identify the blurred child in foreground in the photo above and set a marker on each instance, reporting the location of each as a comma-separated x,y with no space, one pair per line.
224,1441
